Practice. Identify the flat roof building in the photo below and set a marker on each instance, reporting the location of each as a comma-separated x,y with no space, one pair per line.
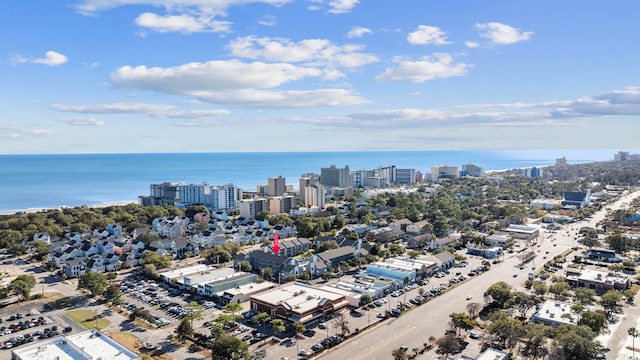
298,302
555,313
87,345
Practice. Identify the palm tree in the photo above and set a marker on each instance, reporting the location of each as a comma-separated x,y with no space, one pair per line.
633,332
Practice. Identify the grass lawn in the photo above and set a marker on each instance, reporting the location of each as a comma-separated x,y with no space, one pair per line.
87,319
130,340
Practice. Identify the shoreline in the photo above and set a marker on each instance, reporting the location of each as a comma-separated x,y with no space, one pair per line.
35,210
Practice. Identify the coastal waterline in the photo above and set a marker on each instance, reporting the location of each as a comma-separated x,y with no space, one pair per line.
52,181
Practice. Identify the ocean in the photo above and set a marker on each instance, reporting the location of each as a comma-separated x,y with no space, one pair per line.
30,182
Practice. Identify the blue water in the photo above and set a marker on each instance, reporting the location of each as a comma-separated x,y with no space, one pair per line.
51,181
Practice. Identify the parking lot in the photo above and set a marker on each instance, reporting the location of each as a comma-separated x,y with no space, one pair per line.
25,324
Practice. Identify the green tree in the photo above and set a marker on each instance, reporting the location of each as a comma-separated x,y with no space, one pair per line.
328,245
244,265
113,295
195,311
262,318
461,321
399,354
610,301
192,210
159,261
290,278
500,293
596,321
150,270
41,250
267,273
184,330
365,299
229,348
576,342
536,338
504,328
217,254
522,303
540,287
559,289
232,308
95,283
298,328
278,327
448,344
584,295
21,288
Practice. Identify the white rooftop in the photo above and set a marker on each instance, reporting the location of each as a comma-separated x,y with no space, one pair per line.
555,313
249,288
301,298
180,272
87,345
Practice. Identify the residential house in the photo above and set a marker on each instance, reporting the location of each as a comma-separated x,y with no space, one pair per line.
400,224
95,265
114,229
332,258
74,268
437,243
417,227
105,247
42,236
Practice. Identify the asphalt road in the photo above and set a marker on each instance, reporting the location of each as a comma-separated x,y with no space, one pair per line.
414,328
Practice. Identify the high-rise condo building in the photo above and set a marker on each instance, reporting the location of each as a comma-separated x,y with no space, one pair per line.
277,186
214,197
333,176
249,208
472,170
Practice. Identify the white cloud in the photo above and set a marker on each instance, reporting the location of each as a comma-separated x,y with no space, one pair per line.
252,98
182,23
9,131
426,35
558,113
51,58
309,51
114,108
152,110
502,34
358,32
218,75
342,6
471,44
268,20
235,83
436,66
82,121
90,7
194,114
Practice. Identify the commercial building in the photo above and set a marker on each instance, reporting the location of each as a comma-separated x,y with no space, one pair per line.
445,171
405,176
276,186
214,197
533,172
241,293
472,170
298,302
87,345
334,176
555,313
282,204
249,208
600,281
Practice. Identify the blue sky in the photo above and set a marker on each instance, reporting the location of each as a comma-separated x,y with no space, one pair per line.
121,76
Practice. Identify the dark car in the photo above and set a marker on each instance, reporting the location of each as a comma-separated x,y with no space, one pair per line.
67,329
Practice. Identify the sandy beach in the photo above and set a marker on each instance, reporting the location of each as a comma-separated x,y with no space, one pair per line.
35,210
